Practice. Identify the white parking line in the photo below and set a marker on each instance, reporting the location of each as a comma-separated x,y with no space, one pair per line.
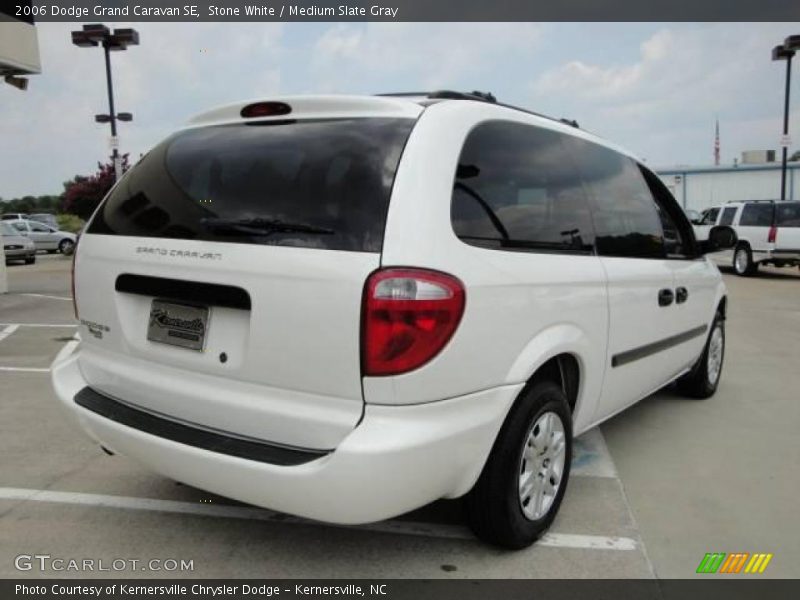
65,351
7,331
435,530
68,299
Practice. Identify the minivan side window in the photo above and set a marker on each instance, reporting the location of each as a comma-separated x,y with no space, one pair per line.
727,215
678,232
757,214
517,189
626,220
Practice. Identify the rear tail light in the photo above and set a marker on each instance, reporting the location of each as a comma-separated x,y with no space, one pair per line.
72,277
408,316
773,233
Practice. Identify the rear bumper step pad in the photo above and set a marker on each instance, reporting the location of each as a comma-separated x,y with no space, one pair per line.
194,436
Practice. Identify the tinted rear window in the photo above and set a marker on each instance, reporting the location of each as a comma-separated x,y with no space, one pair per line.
787,215
757,214
325,182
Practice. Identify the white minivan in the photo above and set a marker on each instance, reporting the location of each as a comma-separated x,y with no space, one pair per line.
347,307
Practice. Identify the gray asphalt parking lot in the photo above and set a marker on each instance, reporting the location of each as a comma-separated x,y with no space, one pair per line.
652,490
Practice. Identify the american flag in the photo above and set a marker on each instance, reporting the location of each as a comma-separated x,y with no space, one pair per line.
716,146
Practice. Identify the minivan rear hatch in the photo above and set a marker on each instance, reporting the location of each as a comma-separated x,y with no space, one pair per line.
220,282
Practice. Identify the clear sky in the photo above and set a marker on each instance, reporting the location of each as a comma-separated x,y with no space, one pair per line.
655,88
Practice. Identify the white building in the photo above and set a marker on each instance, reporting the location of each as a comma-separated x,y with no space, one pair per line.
701,187
19,56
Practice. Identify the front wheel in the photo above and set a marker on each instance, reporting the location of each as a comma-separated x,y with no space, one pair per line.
520,489
66,246
702,381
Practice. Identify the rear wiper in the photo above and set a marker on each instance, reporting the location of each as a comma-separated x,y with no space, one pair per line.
261,226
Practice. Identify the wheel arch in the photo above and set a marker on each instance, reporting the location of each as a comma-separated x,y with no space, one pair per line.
562,353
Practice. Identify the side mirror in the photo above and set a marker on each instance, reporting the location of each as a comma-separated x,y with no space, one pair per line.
720,237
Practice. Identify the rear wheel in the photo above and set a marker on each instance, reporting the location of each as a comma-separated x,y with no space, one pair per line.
743,261
523,482
30,260
703,379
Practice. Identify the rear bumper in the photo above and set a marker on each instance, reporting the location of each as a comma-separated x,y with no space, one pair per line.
397,459
778,255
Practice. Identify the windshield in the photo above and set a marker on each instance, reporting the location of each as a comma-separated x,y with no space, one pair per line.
6,229
314,184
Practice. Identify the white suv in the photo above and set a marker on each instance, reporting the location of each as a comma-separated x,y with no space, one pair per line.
345,308
768,233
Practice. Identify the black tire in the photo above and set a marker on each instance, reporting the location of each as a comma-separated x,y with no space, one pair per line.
697,383
493,507
30,260
66,246
744,267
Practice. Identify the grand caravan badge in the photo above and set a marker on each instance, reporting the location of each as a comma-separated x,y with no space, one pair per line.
178,324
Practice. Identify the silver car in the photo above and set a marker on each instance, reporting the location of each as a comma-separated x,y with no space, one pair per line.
16,246
45,237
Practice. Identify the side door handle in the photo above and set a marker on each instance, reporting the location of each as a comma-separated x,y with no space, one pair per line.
681,295
665,297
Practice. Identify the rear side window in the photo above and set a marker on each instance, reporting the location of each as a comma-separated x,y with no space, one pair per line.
313,184
626,220
787,215
727,215
757,214
516,188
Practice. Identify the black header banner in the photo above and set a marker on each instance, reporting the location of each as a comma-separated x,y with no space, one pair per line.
404,10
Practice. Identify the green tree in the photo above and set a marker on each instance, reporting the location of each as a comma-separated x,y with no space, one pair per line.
83,194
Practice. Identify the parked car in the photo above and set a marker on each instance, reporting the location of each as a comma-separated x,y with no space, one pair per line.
14,216
15,246
45,237
365,304
768,233
46,218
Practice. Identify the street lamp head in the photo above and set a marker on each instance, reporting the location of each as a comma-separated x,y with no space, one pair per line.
96,32
792,42
129,37
80,39
102,118
125,116
781,53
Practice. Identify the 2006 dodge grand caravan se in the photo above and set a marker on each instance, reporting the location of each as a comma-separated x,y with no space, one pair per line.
345,308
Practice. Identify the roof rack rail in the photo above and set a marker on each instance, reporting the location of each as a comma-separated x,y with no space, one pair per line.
479,97
735,201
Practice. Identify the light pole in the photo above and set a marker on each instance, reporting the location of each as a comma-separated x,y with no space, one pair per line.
786,52
96,35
